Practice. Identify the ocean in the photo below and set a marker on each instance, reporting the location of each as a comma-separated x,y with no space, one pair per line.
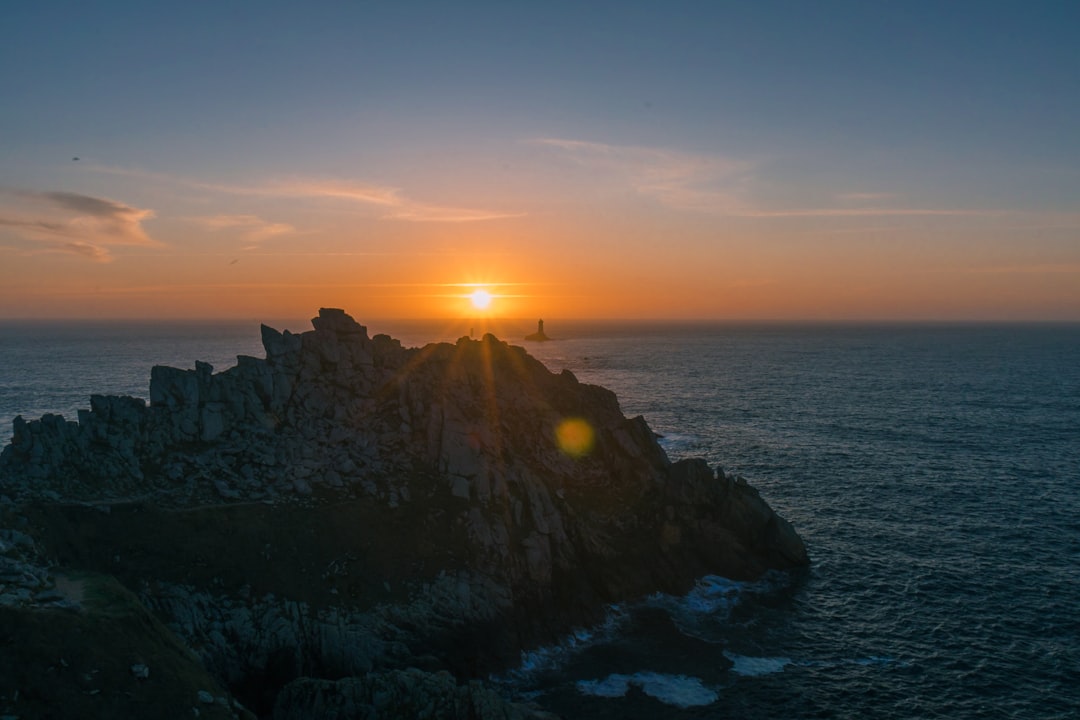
933,471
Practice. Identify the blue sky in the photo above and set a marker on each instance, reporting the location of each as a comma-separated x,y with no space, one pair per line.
711,122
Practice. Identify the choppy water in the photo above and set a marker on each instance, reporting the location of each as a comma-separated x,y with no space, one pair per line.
934,472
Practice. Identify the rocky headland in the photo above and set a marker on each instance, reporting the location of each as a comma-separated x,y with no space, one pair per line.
345,528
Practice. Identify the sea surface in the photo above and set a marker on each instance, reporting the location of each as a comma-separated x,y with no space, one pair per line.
933,471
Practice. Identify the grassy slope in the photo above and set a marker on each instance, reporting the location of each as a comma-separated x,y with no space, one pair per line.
77,663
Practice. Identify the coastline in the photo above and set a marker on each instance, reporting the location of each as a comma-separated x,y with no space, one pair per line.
499,513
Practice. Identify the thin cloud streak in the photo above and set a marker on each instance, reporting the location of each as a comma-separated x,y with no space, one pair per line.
718,185
867,212
253,228
337,189
865,196
399,206
196,287
1049,268
676,179
294,188
428,213
85,249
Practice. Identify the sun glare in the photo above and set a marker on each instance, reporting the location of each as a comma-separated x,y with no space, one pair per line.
481,299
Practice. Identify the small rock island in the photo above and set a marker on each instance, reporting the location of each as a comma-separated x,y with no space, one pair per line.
539,335
345,527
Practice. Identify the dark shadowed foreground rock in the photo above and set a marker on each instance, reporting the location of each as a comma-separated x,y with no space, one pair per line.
347,517
403,695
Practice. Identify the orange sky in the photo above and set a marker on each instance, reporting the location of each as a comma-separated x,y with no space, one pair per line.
709,164
657,262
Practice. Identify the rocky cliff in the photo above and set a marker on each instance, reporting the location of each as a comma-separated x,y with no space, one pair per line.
346,518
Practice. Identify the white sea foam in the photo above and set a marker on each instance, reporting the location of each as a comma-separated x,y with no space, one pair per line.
552,656
756,666
711,595
674,443
716,595
612,686
677,690
703,613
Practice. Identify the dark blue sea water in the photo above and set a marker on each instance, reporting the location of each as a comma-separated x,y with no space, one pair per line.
933,471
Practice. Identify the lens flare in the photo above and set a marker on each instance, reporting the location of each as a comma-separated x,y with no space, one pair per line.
575,437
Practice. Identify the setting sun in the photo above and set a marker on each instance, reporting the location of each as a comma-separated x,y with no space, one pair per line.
481,299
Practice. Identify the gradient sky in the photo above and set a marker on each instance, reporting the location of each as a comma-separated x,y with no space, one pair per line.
751,160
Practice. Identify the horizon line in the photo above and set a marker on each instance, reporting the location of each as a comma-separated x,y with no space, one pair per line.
884,320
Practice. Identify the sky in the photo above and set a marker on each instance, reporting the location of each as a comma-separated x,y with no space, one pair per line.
654,160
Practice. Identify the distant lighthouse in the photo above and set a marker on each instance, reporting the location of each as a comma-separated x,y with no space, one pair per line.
539,335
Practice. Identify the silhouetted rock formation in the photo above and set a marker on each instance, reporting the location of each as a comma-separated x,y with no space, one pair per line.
347,506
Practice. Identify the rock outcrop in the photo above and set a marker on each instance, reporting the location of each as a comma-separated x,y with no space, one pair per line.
346,507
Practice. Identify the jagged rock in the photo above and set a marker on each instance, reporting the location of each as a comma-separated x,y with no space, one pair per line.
488,503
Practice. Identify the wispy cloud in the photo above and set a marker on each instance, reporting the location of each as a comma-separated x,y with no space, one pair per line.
1036,269
253,228
66,222
395,204
432,213
109,221
85,249
861,197
722,185
336,189
868,212
677,179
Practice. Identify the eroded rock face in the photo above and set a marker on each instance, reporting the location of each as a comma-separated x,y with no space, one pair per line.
503,503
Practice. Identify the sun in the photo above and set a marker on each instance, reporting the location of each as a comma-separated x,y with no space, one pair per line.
481,299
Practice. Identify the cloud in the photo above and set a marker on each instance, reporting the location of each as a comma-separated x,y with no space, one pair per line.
255,229
415,212
676,179
120,224
78,224
85,249
721,185
868,212
338,189
859,197
33,225
396,205
1039,269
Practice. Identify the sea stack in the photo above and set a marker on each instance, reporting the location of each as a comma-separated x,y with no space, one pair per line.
539,335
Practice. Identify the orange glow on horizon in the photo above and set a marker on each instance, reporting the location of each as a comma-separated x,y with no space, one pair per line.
568,270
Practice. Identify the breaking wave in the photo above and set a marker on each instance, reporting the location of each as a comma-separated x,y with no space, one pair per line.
676,690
